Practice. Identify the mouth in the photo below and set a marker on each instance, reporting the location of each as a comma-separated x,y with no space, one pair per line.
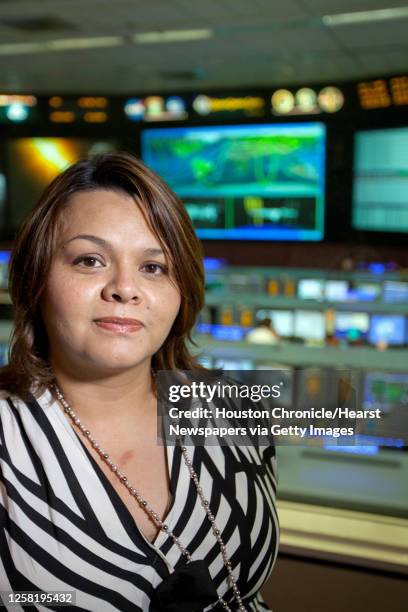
119,325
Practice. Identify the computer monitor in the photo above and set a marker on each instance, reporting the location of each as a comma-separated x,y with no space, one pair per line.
388,328
310,325
395,292
336,290
310,289
225,363
282,320
228,333
32,163
4,348
2,194
352,325
245,182
4,269
387,392
365,291
380,186
205,360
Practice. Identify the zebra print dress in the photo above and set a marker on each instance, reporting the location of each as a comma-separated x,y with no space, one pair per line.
63,527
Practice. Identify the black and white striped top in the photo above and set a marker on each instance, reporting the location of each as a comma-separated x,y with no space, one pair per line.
63,527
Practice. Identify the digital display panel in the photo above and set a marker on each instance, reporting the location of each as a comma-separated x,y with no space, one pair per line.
249,182
3,193
388,328
380,188
352,325
282,321
365,292
395,292
385,390
234,364
336,290
32,163
4,347
310,325
4,269
87,109
310,289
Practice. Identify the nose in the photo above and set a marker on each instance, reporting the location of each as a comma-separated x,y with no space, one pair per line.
122,287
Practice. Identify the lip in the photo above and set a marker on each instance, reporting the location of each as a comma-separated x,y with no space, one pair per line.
119,321
119,324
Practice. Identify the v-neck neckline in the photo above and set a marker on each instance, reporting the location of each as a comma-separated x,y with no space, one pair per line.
119,505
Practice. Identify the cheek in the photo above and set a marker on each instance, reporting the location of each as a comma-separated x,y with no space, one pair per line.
166,305
64,300
173,303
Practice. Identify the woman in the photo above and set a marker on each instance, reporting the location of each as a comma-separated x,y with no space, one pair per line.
106,279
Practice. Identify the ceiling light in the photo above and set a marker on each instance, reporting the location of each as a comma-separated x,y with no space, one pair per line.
172,36
63,44
365,16
21,48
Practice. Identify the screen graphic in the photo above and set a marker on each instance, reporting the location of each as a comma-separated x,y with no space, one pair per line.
32,163
250,182
380,191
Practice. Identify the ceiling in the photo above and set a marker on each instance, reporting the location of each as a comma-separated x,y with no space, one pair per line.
251,43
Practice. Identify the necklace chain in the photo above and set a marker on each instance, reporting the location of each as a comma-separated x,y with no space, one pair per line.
154,516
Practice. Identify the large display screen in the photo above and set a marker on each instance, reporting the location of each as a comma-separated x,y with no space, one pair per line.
380,188
248,182
32,163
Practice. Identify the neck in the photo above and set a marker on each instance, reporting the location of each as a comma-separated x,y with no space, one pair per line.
116,398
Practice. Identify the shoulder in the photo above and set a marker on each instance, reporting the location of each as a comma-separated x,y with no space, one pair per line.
5,400
13,410
8,415
4,394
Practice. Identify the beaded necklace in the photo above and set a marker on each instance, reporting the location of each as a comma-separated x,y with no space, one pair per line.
149,510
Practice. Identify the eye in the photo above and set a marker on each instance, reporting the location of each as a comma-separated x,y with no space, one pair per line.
155,269
88,261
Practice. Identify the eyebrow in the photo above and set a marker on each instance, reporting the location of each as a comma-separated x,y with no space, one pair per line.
105,244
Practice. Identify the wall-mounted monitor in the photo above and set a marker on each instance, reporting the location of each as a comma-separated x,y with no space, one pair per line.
247,182
380,185
32,163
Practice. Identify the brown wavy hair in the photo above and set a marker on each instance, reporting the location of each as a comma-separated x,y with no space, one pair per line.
35,245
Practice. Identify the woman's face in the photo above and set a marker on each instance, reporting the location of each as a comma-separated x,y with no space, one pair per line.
108,264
